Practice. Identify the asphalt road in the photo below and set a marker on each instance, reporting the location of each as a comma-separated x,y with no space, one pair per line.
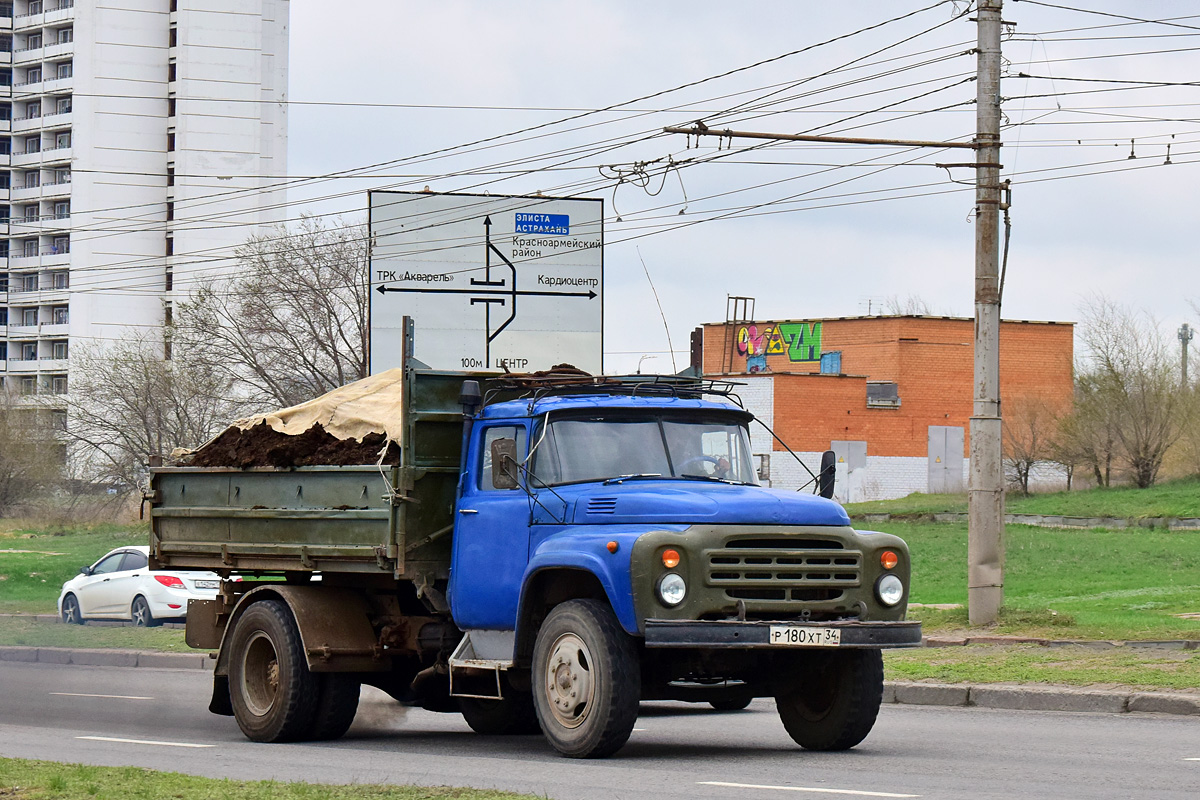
159,719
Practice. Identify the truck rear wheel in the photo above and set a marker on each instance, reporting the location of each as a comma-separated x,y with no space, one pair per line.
513,715
337,703
586,681
834,700
274,695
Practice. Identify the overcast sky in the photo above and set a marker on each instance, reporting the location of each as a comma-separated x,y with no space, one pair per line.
809,230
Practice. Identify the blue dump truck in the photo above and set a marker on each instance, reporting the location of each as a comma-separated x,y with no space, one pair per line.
547,553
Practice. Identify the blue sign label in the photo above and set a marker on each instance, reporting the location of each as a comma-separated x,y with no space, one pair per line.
550,224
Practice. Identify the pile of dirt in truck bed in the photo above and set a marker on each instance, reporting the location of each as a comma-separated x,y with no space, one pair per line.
260,446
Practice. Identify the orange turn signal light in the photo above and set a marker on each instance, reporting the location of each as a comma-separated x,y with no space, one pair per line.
888,559
612,547
670,559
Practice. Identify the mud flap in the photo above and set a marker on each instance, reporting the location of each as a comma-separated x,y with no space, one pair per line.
221,702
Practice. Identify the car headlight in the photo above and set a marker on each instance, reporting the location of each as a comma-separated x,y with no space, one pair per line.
672,589
889,590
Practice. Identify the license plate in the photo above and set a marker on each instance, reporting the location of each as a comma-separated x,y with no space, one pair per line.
803,636
208,584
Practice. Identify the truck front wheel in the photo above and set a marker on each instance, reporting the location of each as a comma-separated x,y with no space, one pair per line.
586,680
834,699
274,695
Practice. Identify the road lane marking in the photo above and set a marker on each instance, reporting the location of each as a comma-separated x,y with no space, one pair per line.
856,792
1192,759
108,696
141,741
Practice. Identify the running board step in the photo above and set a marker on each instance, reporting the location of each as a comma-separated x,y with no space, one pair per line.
478,660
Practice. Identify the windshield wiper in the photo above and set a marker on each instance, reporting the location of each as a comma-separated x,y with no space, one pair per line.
693,476
636,476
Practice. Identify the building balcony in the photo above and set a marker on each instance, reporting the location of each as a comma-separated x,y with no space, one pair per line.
18,366
5,125
53,83
49,364
26,124
55,191
25,159
25,192
58,49
3,362
28,55
52,155
63,11
5,57
28,87
23,22
18,331
46,260
56,119
57,331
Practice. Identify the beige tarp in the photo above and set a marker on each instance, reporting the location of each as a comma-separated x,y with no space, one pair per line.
371,405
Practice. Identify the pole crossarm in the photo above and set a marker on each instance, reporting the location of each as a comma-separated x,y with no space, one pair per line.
702,130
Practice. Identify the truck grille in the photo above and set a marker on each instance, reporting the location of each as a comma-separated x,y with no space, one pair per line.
806,570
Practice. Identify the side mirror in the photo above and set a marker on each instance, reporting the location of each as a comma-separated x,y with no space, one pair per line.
825,476
504,464
85,570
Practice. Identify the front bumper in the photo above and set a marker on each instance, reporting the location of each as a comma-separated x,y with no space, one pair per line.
705,634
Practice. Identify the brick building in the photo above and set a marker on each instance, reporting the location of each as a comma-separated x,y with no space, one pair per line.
891,395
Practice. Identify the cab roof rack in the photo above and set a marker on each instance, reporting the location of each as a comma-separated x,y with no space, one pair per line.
576,382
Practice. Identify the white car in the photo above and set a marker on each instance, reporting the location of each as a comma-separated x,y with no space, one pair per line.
121,586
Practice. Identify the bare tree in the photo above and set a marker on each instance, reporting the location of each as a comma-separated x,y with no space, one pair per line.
1029,430
293,323
1087,435
31,454
912,305
129,405
1130,371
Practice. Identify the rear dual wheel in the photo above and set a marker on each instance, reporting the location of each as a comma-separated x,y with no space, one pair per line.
275,697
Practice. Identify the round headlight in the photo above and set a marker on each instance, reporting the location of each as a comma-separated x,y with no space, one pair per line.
889,589
672,589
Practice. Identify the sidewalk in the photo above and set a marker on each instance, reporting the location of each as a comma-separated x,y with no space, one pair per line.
1005,696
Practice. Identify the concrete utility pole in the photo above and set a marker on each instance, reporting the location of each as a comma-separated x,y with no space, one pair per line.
1185,336
985,509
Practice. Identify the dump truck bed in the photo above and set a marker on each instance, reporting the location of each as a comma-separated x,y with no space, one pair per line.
307,518
393,520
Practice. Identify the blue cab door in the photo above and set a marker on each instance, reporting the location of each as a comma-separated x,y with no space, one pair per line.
491,537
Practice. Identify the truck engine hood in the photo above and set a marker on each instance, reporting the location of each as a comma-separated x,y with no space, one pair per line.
683,501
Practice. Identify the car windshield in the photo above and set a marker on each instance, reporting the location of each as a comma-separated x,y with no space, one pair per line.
574,450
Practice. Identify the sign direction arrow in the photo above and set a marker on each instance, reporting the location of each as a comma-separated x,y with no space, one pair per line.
590,295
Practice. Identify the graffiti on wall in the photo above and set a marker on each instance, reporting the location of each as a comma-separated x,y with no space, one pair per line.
799,341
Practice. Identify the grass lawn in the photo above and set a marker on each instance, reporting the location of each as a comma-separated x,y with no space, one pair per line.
1065,584
1141,668
1179,498
34,563
32,780
36,633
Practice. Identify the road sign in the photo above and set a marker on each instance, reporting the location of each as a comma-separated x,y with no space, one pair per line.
491,283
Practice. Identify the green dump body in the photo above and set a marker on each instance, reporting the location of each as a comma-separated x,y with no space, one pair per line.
393,521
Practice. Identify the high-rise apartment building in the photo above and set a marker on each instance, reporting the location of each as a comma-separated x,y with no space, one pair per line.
141,141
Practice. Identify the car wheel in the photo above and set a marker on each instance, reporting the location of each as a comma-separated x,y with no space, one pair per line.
71,614
586,680
140,614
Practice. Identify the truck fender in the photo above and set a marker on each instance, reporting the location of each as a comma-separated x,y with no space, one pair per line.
335,628
547,585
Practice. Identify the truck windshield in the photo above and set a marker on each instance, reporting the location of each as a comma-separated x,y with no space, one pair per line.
602,448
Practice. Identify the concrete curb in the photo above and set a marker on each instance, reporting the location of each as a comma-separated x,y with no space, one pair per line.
105,658
1048,520
1040,698
1021,698
1092,644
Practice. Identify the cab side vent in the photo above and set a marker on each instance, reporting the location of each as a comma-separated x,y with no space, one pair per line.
602,505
